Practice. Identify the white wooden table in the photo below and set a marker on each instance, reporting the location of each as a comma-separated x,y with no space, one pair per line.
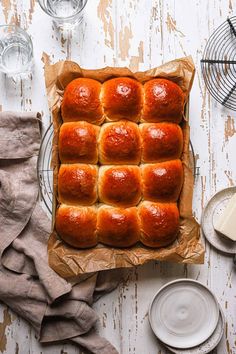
139,34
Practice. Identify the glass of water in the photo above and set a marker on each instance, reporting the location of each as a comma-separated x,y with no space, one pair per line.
65,13
16,50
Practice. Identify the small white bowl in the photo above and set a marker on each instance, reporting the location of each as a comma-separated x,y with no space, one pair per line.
184,313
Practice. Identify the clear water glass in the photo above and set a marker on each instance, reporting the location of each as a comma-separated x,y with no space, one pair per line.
16,50
65,13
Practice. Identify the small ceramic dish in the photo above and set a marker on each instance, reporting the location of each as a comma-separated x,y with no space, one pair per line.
184,313
211,213
209,344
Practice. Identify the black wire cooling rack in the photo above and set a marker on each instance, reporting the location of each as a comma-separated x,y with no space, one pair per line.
219,64
45,172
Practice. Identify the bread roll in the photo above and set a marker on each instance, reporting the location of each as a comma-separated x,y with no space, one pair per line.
159,223
119,143
163,101
122,99
162,182
119,185
77,184
118,227
81,101
77,225
78,143
161,141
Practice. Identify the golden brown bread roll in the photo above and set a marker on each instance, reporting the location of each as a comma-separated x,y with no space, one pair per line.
78,143
163,101
81,101
161,141
122,99
119,185
159,223
77,184
162,182
118,227
119,143
77,225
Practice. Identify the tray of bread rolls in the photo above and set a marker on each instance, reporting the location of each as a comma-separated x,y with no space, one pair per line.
122,182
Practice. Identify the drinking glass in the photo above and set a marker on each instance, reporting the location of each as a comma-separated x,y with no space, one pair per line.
16,50
65,13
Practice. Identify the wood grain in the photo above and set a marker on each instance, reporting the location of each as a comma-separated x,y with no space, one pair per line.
139,34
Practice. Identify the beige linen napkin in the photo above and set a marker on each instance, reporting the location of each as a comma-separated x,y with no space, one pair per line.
56,309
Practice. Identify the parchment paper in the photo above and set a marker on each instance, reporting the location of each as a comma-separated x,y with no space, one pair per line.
70,262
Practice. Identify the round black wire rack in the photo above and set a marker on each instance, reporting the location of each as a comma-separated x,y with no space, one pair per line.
219,64
45,172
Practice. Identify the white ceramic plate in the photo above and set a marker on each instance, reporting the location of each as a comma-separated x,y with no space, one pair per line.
209,344
184,313
210,214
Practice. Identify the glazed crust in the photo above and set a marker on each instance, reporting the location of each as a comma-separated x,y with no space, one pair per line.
81,101
122,99
77,225
78,143
77,184
161,142
163,101
119,143
119,185
162,182
118,227
159,223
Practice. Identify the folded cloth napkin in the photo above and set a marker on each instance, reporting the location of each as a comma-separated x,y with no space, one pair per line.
57,309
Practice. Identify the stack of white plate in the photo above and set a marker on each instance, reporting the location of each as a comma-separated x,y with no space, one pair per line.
186,317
